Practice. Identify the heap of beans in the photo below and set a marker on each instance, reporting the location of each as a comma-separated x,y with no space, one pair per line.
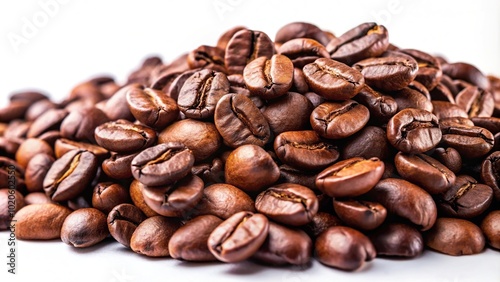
340,149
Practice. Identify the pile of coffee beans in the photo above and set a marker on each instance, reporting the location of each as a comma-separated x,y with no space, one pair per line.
341,149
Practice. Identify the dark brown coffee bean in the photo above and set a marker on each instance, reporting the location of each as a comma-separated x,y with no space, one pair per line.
490,123
315,99
207,57
107,195
122,221
303,51
413,131
305,150
333,80
289,174
84,228
226,36
278,111
137,198
362,215
151,107
490,173
284,245
393,71
300,30
202,138
466,72
80,125
152,235
344,248
11,201
364,41
466,198
37,108
429,69
321,221
351,177
40,222
116,107
162,164
10,170
339,120
398,240
238,237
50,120
369,142
449,157
201,92
455,237
442,93
491,229
124,137
210,172
269,78
470,141
36,170
444,110
299,83
411,97
288,203
245,46
190,242
62,146
28,96
438,178
118,166
34,198
381,107
224,200
14,110
406,200
70,175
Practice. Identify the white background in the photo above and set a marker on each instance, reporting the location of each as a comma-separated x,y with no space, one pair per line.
80,39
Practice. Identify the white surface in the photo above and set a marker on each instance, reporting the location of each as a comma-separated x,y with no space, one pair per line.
85,38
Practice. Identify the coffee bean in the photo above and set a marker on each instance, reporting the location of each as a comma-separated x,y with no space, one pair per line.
300,30
207,57
429,69
80,125
226,36
278,111
344,248
397,240
38,108
152,235
190,242
413,131
369,142
70,175
333,80
162,164
50,120
289,174
84,228
238,237
224,200
490,173
455,237
210,172
303,51
475,101
31,147
36,170
124,137
445,109
245,46
137,198
299,83
491,229
449,157
116,107
118,165
151,107
466,72
40,222
362,215
411,97
11,201
62,146
34,198
122,221
288,203
382,107
470,141
490,123
321,221
107,195
351,177
269,78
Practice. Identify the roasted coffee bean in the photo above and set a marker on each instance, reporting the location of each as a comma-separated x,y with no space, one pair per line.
300,30
369,142
107,195
190,242
40,222
315,99
10,171
201,92
278,111
429,69
438,178
207,57
50,120
305,150
11,201
490,123
14,110
36,170
397,240
490,173
226,36
122,221
344,248
410,97
289,174
466,72
445,110
210,172
84,228
455,237
70,175
466,198
269,78
284,245
202,138
176,85
442,93
224,200
364,41
152,235
37,108
299,83
449,157
163,80
381,107
337,120
31,147
137,198
303,51
80,125
28,96
476,102
451,121
333,80
240,122
118,165
124,137
393,71
321,221
362,215
245,46
406,200
491,229
238,237
251,169
177,199
162,164
470,141
116,107
351,177
62,146
34,198
151,107
413,131
288,203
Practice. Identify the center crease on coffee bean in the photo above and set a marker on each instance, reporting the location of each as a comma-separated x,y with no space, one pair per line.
246,121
